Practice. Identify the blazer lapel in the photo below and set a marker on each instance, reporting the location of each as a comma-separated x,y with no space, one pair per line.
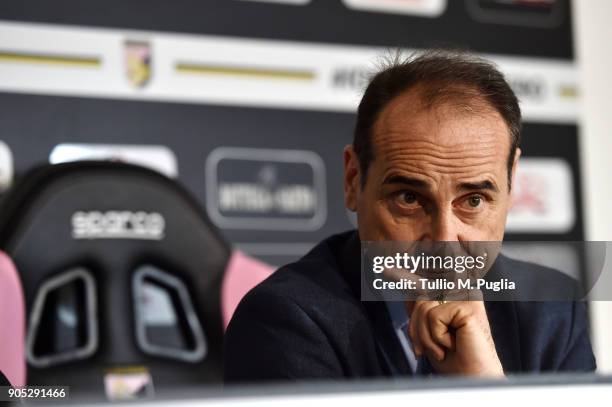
390,351
504,323
504,329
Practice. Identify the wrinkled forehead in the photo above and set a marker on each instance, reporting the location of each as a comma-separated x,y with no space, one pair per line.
456,121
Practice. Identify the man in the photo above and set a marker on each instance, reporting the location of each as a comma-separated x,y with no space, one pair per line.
434,154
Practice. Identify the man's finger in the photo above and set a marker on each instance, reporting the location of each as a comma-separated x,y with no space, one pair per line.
423,331
440,331
449,317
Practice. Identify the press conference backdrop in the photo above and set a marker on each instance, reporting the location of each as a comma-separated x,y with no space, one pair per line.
249,103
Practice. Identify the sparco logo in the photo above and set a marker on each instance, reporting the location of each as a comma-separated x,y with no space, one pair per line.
118,225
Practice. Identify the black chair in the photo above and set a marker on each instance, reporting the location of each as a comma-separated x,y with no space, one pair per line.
3,380
122,274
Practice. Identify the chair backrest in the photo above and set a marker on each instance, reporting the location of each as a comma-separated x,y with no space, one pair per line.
12,324
122,274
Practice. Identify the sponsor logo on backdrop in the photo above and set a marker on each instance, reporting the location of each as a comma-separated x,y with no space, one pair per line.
568,91
155,157
525,87
425,8
545,13
6,167
543,197
130,383
353,78
138,55
118,225
267,189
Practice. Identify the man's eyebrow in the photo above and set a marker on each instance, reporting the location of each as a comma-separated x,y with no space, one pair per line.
400,179
478,186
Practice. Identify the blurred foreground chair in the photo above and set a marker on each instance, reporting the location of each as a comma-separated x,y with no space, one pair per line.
128,285
12,324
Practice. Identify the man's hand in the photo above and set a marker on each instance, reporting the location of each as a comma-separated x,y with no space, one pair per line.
455,337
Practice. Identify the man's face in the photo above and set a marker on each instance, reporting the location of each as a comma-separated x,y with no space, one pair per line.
439,173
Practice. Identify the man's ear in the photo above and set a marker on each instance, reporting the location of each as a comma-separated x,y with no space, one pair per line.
517,155
352,178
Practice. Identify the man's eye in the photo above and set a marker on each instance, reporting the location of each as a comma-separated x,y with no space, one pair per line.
409,197
407,200
474,201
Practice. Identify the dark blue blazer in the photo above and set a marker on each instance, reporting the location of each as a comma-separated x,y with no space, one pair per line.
306,322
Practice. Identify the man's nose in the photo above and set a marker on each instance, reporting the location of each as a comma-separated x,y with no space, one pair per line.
444,227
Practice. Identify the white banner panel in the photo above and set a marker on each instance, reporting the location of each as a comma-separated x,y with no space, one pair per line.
127,64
